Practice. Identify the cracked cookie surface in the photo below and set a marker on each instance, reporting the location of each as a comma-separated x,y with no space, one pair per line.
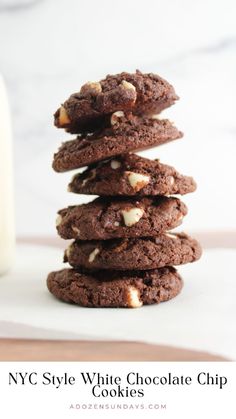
115,289
108,218
136,253
131,175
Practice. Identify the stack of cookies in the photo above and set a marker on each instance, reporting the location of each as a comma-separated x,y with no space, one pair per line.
123,253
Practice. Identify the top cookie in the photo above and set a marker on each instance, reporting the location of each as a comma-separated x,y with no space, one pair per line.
85,111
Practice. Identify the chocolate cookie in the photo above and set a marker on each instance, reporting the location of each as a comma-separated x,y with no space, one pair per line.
115,289
129,175
129,133
128,254
106,218
145,94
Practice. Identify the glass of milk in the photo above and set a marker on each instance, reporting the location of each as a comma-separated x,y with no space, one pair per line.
7,236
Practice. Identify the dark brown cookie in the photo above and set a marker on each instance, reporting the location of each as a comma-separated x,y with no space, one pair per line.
129,133
130,175
106,218
115,289
129,254
142,94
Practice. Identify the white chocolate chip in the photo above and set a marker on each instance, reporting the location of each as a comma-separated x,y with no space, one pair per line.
158,116
134,298
85,181
91,87
132,216
115,117
68,251
137,181
116,224
172,236
92,175
115,164
128,85
58,220
76,230
95,86
93,255
63,117
171,180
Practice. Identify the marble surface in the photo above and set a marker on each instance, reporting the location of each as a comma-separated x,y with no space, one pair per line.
48,48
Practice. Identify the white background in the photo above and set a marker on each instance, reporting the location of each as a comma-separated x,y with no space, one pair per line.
195,401
48,48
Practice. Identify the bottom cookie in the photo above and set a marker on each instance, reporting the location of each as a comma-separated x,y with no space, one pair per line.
129,289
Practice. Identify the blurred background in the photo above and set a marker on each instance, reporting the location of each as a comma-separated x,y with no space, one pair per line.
50,47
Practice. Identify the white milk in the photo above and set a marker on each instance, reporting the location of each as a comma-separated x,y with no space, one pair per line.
6,185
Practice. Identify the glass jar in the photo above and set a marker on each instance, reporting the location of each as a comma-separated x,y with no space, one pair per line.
7,236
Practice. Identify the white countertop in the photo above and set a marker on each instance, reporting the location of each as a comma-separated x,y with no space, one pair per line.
202,317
